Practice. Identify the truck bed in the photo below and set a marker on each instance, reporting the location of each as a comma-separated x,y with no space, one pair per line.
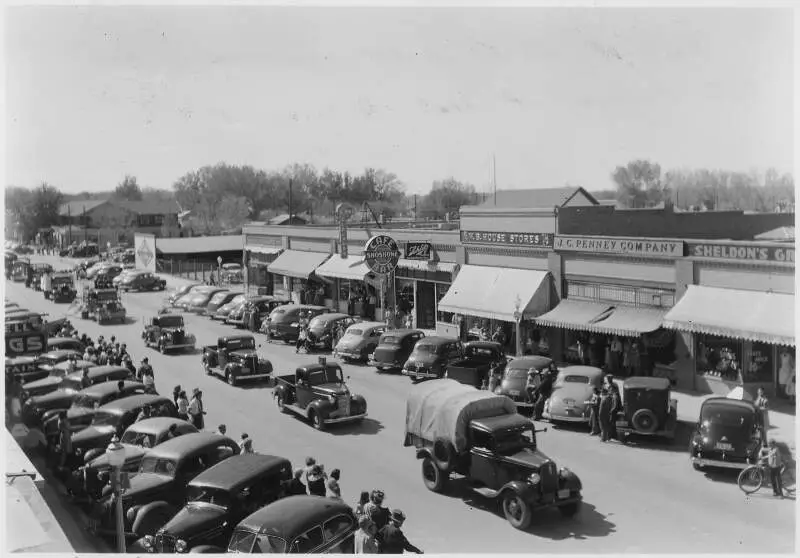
286,379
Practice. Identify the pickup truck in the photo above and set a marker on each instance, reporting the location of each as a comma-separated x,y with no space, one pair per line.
318,393
479,358
167,332
235,358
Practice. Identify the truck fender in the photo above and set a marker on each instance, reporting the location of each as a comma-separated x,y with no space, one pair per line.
521,488
444,454
265,366
151,517
422,453
570,480
320,406
360,402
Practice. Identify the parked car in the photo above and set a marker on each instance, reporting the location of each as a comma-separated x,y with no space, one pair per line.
97,374
181,292
104,279
138,439
479,435
65,343
647,408
62,288
117,281
166,332
431,356
231,273
197,304
112,419
219,300
158,489
284,321
218,499
197,297
572,390
318,393
296,525
142,281
394,348
236,315
260,308
729,434
26,368
222,312
515,379
479,357
235,358
322,328
359,341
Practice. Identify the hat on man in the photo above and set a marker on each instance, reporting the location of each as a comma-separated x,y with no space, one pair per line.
398,515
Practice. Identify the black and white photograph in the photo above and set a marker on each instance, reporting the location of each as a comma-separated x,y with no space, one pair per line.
372,278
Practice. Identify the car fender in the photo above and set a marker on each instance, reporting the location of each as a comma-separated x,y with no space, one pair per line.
265,366
321,407
150,517
233,368
360,401
422,453
572,481
524,490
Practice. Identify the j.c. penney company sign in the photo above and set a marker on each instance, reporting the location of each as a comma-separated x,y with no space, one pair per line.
651,247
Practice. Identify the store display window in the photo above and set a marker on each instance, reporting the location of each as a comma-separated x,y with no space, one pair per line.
719,357
786,376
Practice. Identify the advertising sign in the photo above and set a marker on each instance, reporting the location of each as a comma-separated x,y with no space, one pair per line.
620,245
144,245
752,252
418,250
537,240
381,254
21,344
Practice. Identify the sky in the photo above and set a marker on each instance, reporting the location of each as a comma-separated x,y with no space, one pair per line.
557,95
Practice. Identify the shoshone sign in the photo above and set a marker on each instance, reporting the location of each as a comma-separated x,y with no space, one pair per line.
615,245
381,254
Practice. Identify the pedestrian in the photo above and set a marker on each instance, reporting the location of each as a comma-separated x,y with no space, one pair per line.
360,507
334,490
604,410
149,380
121,386
246,444
302,333
391,538
364,541
543,393
762,404
196,409
102,359
594,412
616,407
145,366
295,486
774,461
128,363
85,380
310,462
172,431
634,360
176,391
375,509
221,429
64,438
316,480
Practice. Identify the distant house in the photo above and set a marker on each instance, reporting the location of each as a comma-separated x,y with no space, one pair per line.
285,220
115,221
539,199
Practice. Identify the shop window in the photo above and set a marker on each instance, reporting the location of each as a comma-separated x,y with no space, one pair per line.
759,364
786,376
718,357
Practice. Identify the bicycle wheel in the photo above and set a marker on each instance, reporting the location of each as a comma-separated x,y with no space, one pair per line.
751,479
789,478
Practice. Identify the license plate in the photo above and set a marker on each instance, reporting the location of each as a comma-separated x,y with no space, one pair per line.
723,446
246,370
563,493
514,392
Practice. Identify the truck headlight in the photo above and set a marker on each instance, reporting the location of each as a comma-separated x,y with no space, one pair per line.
534,478
180,545
332,399
78,451
148,541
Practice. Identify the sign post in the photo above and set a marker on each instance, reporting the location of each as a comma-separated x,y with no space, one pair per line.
219,270
381,255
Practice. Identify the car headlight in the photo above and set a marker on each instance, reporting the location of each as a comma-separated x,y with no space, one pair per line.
180,545
295,324
148,541
332,399
534,478
78,451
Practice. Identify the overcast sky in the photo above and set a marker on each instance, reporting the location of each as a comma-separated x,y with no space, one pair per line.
559,95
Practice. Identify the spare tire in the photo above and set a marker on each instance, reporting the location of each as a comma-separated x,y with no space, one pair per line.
444,454
645,420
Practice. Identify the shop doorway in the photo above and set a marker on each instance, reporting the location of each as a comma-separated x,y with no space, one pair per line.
426,305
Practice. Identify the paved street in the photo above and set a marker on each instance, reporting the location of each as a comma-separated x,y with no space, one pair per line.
637,499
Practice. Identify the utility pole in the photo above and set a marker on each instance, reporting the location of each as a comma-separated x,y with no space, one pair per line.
85,227
415,208
494,178
290,201
69,224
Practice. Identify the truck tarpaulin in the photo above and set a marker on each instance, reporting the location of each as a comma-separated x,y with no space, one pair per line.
443,409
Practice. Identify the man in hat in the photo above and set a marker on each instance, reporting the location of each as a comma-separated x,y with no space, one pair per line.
145,367
247,444
128,363
295,486
391,538
196,409
375,509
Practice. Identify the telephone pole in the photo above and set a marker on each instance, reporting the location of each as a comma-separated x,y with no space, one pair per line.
494,178
290,201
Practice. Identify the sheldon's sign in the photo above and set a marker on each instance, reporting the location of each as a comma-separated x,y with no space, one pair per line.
749,252
649,247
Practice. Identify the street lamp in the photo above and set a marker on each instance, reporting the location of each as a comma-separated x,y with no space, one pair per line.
517,319
116,458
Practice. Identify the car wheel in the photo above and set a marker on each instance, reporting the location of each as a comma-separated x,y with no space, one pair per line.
570,510
230,378
517,511
316,420
434,478
207,369
645,420
281,404
697,467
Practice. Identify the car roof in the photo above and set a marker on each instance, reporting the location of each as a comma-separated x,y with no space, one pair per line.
60,352
292,516
331,316
437,340
104,388
726,402
132,402
188,443
485,345
315,367
169,316
237,471
503,422
96,371
154,425
265,298
367,325
227,338
533,361
580,370
59,340
402,333
644,382
80,364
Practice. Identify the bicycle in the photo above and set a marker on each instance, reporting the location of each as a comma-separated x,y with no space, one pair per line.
755,476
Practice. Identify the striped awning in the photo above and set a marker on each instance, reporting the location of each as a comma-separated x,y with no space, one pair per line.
425,265
266,250
629,321
752,315
579,315
295,263
351,268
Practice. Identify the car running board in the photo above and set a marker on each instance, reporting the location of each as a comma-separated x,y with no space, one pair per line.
485,491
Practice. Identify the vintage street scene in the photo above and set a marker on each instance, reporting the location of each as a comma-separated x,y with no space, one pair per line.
399,279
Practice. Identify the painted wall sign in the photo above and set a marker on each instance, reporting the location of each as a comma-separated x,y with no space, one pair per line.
539,240
381,254
145,250
25,344
743,252
611,245
418,250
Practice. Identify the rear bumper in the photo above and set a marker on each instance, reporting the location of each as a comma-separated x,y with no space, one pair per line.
564,418
385,365
349,354
179,346
253,376
702,462
418,375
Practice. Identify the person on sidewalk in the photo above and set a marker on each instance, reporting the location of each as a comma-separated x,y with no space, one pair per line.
594,413
316,481
604,410
762,404
295,486
774,461
364,541
334,490
391,538
196,411
182,403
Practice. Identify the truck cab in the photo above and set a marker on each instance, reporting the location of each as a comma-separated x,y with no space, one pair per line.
235,358
479,358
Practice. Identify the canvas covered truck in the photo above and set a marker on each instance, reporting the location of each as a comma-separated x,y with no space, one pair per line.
59,287
103,305
480,436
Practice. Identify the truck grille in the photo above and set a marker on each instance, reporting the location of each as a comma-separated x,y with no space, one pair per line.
165,543
343,405
549,476
177,336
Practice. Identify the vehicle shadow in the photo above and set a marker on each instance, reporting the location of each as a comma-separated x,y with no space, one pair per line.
679,444
727,476
366,427
548,523
254,385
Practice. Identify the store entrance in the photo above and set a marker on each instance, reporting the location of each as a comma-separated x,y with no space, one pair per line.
426,305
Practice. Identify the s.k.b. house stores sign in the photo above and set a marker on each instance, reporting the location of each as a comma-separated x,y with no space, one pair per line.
538,240
651,247
381,254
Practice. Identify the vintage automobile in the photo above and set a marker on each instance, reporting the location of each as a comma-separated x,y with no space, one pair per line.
62,288
142,281
182,291
116,282
196,292
479,358
235,358
112,419
514,381
219,300
57,380
222,312
65,343
729,434
284,321
50,359
103,305
105,277
647,408
479,435
322,328
359,341
318,393
260,308
218,499
296,525
394,348
431,357
20,270
236,316
37,271
80,405
26,368
167,332
231,273
572,390
197,304
158,489
138,439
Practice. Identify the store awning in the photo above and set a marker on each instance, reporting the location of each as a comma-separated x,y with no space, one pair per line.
751,315
496,293
577,315
425,265
266,250
295,263
625,320
352,268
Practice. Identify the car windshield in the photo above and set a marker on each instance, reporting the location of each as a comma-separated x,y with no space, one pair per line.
208,495
158,466
331,374
241,541
84,402
513,441
427,349
278,311
268,544
141,439
390,340
516,374
726,415
573,379
356,332
236,344
171,321
104,418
